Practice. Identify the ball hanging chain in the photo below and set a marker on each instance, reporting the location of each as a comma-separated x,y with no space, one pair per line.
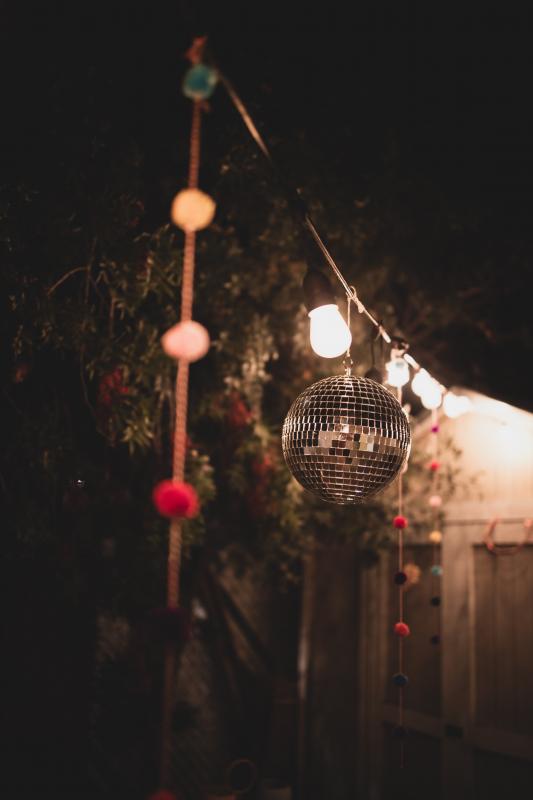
347,362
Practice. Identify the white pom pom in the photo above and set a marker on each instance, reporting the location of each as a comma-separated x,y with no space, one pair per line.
192,210
188,340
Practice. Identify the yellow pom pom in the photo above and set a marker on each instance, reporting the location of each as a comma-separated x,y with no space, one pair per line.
435,537
192,210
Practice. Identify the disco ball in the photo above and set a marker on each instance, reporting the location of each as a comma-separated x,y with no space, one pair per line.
345,439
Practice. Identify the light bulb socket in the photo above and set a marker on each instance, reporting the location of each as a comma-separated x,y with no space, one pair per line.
399,344
317,289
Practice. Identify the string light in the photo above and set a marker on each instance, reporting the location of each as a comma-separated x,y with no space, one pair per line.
454,405
421,381
397,369
432,395
329,334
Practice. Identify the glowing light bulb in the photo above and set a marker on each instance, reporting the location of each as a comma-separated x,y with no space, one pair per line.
397,371
421,381
454,404
330,335
432,395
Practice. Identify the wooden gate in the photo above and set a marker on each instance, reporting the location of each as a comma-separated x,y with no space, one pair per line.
469,703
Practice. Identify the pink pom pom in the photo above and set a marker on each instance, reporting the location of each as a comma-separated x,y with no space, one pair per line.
400,522
435,501
188,340
175,499
434,466
402,629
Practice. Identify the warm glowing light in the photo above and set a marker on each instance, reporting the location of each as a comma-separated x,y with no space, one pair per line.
330,335
421,381
432,395
454,404
397,371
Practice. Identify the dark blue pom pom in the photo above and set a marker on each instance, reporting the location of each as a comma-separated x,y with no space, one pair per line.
400,680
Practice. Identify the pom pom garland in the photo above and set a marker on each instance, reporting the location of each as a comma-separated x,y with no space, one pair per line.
413,573
400,578
434,465
435,501
187,340
400,732
400,680
175,499
402,629
436,570
435,537
192,210
199,82
400,522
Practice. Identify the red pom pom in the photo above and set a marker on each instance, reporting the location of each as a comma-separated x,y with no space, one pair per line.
434,466
111,387
400,522
402,629
175,499
239,415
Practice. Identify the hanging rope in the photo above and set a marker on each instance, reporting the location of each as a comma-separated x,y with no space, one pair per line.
179,451
401,628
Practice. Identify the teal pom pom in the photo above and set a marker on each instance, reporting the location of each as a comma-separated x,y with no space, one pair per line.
199,82
400,680
436,569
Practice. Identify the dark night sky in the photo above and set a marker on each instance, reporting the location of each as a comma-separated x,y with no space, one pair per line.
453,91
457,89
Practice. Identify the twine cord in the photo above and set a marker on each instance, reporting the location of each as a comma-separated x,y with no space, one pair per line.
179,453
400,599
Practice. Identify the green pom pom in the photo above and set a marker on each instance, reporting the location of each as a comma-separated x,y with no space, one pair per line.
199,82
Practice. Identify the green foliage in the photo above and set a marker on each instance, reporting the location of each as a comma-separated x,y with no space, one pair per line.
85,331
